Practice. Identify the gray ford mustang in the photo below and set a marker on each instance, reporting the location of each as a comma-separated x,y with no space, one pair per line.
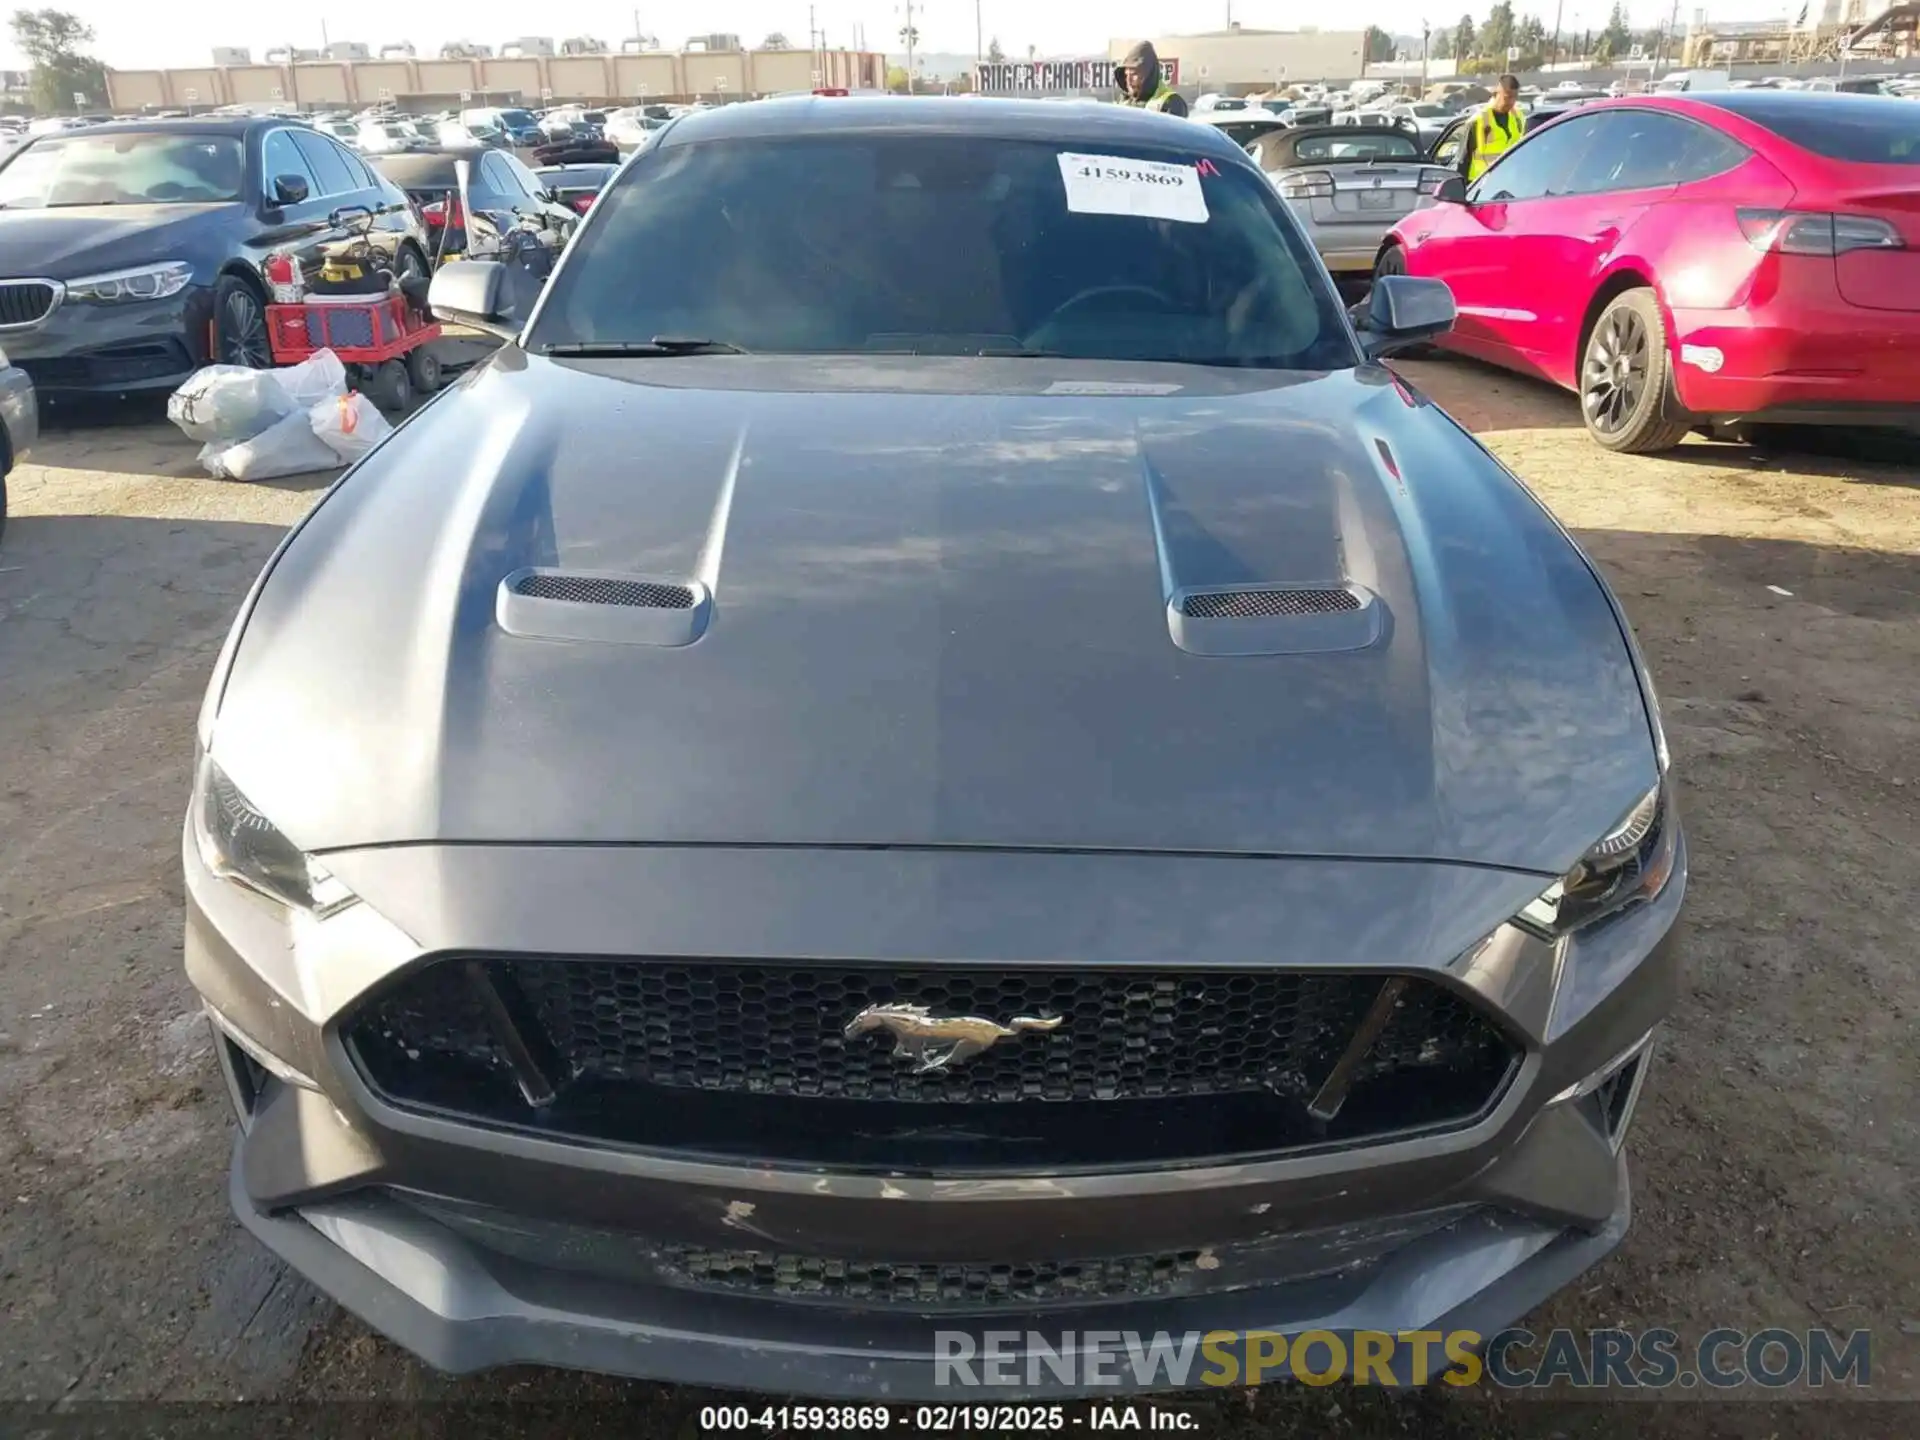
943,751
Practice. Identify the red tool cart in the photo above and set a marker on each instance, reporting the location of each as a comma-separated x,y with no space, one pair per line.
383,342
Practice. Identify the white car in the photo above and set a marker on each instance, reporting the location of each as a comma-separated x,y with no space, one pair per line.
632,128
390,137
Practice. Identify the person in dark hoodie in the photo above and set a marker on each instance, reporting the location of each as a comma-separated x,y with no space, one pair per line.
1143,86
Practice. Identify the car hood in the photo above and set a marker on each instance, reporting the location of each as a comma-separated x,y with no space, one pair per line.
939,617
68,242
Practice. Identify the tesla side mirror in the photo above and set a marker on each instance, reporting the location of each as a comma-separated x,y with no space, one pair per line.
472,292
1451,191
1403,310
289,189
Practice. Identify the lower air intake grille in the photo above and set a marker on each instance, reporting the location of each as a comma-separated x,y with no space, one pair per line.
754,1058
810,1277
599,590
1251,604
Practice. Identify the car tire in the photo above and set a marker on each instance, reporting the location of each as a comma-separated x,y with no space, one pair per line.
240,335
1626,379
410,263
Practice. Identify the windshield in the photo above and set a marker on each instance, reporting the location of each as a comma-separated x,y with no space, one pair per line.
520,119
1356,144
126,169
946,245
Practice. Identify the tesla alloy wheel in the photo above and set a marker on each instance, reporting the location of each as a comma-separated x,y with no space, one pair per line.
1626,378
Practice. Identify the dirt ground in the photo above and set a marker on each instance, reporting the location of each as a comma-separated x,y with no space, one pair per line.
1777,596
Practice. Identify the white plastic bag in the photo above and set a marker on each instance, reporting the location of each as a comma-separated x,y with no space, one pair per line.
228,403
319,377
287,447
350,425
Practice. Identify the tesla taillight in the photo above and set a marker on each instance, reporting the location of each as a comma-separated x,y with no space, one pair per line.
1798,232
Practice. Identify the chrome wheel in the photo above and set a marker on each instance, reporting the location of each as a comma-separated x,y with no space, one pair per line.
1614,378
243,331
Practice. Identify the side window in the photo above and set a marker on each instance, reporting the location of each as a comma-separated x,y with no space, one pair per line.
280,156
323,162
493,171
1537,166
522,176
363,176
1447,152
1646,150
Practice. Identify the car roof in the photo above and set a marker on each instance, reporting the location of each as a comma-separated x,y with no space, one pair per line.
235,125
1065,125
1765,106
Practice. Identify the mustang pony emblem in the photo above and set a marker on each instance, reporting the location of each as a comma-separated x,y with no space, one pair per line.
928,1042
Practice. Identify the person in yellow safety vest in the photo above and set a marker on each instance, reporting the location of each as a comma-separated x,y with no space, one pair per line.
1143,85
1495,130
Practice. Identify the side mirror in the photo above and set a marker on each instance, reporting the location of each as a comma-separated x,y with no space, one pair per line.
1451,191
472,292
289,189
1404,310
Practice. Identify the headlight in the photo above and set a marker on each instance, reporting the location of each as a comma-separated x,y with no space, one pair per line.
238,843
147,282
1627,865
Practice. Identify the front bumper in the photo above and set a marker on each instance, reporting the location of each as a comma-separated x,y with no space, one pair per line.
477,1247
115,349
19,412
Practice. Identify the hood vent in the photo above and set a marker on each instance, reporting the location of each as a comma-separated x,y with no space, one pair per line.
599,590
1255,604
1275,619
596,606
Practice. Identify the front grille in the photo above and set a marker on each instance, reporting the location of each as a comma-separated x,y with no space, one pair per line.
754,1058
25,302
1249,604
600,590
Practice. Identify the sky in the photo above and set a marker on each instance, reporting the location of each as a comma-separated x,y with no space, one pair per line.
135,34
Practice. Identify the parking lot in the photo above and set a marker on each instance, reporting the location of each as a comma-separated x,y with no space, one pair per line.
1777,596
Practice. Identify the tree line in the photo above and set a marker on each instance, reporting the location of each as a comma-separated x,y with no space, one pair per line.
1490,47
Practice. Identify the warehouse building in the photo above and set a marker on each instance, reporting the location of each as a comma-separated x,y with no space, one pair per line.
411,84
1240,61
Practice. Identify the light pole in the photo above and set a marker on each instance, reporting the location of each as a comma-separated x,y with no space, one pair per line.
1425,31
979,48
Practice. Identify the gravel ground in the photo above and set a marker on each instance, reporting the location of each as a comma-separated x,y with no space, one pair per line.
1777,596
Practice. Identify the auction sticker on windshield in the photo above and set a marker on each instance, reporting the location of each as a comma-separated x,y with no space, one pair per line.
1148,189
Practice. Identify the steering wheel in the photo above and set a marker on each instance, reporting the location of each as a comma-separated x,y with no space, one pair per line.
1101,292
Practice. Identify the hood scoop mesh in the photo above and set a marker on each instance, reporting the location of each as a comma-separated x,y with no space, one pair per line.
597,606
1253,604
601,590
1275,619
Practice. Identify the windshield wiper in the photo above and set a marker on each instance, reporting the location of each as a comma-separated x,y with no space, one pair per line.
658,345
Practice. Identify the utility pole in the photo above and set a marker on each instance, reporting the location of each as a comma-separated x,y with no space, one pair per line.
1425,31
1553,50
1673,26
979,48
907,34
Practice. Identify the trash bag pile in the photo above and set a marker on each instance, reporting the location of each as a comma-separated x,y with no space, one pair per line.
262,424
